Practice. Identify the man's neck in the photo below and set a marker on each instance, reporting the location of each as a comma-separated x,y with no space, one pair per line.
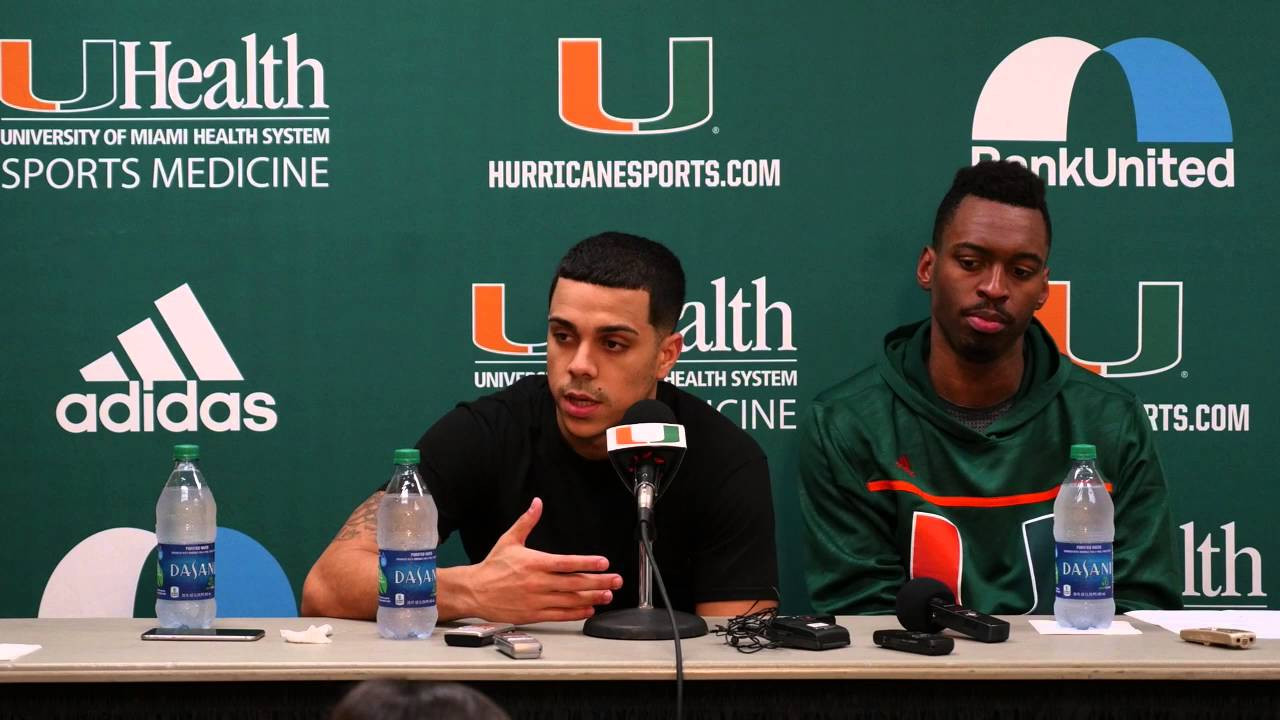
973,385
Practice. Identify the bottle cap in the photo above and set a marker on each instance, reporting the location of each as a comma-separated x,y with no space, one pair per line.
407,456
1084,452
186,452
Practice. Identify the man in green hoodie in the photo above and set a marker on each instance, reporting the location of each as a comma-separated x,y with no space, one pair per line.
944,458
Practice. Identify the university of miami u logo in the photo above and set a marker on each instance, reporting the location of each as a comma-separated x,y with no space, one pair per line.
489,322
689,95
1159,329
98,87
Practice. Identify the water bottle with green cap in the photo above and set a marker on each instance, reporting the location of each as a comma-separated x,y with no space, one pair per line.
1083,532
186,526
407,538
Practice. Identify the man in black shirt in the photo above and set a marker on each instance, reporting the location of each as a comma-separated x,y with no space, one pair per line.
523,474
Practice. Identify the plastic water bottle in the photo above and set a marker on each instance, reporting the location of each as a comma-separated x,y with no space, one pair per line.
407,538
186,526
1083,531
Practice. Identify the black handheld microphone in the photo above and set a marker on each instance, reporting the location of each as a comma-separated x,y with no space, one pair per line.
926,605
646,450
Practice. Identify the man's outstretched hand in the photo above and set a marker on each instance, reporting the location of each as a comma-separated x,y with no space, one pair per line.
518,585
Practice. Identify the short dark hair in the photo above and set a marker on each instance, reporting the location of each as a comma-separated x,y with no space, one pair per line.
619,260
386,699
1002,181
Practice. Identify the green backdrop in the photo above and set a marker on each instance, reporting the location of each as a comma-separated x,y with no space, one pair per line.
347,295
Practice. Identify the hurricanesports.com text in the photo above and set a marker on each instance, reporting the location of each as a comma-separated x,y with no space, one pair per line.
605,174
1217,417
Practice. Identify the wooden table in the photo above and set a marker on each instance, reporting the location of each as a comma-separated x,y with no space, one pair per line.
576,671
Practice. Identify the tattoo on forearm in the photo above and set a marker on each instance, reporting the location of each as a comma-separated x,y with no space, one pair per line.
364,519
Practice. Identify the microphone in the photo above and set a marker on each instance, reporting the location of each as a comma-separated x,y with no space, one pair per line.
646,450
926,605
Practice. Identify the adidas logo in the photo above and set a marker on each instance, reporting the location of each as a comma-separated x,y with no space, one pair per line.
148,353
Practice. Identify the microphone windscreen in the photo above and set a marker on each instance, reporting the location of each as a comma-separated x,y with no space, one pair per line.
649,411
914,600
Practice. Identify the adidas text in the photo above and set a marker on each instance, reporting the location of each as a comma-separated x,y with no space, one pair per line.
175,412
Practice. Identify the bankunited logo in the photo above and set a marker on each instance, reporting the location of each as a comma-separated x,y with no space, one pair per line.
1175,100
149,355
111,68
1159,343
689,81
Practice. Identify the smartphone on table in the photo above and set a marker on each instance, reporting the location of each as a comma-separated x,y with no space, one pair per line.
228,634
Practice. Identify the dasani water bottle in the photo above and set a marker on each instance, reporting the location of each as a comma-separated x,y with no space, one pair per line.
407,538
1083,532
186,526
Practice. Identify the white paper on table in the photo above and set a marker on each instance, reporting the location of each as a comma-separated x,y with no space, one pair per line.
13,651
312,635
1051,627
1263,623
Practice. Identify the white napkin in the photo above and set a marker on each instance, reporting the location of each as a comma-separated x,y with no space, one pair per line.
13,651
312,634
1264,623
1051,627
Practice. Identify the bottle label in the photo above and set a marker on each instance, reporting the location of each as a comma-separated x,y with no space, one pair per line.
406,578
1083,571
184,572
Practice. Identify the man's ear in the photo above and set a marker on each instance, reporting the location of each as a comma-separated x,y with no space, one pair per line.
668,353
1044,292
924,268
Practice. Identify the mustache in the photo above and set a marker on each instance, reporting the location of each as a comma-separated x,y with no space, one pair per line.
989,308
583,388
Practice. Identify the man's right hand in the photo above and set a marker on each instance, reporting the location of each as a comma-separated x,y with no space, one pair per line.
518,585
513,584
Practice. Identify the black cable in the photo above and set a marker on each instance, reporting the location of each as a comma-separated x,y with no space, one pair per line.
675,631
748,633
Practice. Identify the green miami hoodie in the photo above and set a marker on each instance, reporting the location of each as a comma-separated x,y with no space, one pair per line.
892,487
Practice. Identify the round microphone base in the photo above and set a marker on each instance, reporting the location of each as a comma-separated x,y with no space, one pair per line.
643,624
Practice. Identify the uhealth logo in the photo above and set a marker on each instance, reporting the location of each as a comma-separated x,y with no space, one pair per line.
1159,343
1175,100
689,82
247,82
724,325
152,361
738,350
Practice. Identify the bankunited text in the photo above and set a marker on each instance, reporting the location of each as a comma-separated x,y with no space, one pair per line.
1157,167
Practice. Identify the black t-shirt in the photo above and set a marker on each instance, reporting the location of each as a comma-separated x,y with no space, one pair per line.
486,460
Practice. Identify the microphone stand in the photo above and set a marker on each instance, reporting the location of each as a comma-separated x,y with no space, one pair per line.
645,622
